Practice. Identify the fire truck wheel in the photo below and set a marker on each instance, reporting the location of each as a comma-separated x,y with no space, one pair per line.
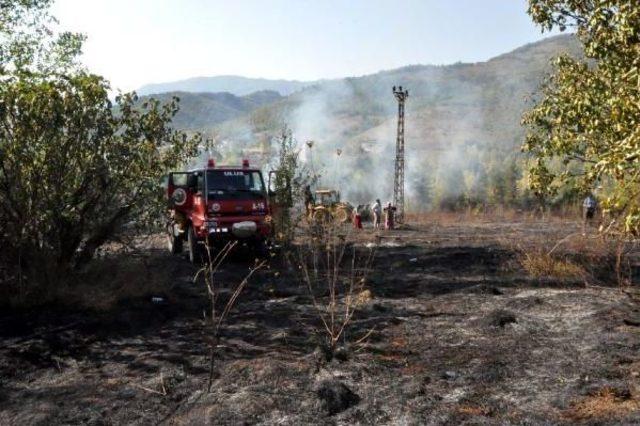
174,243
192,243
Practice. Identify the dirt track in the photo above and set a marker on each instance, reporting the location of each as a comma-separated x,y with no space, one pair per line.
460,335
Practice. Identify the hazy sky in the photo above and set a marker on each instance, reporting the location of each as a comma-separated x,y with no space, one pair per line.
134,42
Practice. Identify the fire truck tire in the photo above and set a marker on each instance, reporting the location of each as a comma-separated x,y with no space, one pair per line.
194,248
174,243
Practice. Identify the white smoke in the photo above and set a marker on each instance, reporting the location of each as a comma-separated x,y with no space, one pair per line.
446,136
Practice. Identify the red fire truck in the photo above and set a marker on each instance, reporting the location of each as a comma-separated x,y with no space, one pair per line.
216,204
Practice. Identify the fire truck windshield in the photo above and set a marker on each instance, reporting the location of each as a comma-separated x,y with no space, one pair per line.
236,183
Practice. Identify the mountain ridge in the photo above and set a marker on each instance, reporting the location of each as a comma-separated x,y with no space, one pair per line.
241,85
234,84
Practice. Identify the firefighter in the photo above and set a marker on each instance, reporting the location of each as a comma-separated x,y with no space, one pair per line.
377,213
389,216
357,217
309,201
589,206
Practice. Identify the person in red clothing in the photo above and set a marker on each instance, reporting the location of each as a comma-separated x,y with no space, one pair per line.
357,218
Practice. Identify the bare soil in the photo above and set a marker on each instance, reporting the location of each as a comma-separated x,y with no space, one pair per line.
454,331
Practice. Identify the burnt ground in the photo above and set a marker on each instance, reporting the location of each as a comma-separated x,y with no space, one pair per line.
455,332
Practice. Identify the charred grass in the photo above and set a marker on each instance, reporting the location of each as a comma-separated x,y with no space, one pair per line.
119,275
451,328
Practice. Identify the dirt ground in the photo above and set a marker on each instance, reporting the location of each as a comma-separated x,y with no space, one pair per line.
454,331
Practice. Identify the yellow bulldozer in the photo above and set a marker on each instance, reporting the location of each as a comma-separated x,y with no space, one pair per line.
328,207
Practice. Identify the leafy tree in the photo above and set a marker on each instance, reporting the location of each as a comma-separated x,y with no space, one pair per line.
74,167
422,184
588,113
290,181
286,168
73,172
29,46
502,178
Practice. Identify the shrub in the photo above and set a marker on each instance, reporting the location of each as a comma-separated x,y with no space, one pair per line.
335,274
73,172
74,167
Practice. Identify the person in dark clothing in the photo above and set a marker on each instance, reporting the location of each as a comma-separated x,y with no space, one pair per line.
309,201
589,206
389,220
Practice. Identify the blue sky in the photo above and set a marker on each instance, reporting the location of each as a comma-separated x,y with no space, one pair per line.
134,42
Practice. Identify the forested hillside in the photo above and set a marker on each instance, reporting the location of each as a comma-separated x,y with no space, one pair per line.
204,110
463,127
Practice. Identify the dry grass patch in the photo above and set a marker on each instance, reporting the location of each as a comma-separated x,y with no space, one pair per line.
393,358
445,218
483,216
592,258
413,369
606,403
474,410
539,264
399,342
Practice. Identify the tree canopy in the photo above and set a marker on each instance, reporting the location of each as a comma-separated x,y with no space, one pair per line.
29,42
588,111
75,167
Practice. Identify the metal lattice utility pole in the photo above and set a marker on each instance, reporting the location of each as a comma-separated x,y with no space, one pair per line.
398,182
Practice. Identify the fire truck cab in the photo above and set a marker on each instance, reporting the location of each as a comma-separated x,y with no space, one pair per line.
217,204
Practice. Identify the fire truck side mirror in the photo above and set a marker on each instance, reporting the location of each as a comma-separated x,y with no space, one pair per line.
271,187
